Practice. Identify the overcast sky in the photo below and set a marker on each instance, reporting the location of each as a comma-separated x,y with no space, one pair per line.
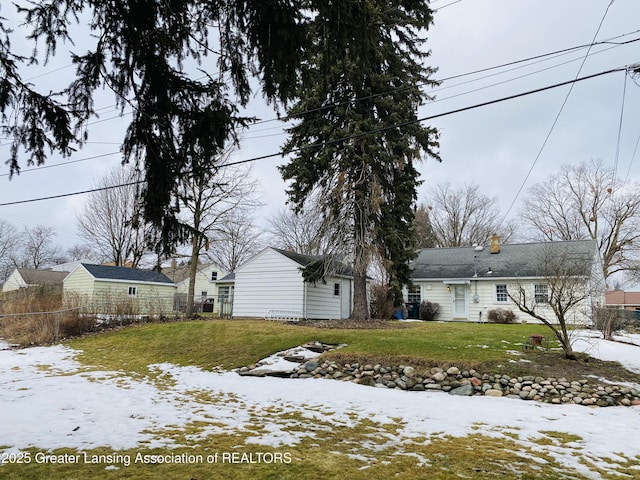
494,146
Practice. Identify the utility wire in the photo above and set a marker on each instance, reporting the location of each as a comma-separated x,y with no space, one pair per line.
539,58
633,157
624,95
340,140
555,121
552,54
63,163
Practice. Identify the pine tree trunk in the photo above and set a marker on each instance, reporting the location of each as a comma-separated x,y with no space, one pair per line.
360,304
361,255
193,270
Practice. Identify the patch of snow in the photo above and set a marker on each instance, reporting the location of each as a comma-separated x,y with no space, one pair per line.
591,342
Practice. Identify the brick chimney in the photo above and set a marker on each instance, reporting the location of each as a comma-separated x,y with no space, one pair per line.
495,244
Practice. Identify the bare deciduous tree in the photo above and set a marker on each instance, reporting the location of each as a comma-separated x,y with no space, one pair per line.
107,220
8,247
210,201
236,241
305,232
37,248
81,252
464,216
588,201
568,290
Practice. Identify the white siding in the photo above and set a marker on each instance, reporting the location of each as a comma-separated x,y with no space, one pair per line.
13,282
346,297
438,292
322,303
109,296
203,281
269,281
79,281
148,300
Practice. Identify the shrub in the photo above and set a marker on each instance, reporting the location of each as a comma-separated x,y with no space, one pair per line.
429,310
501,315
381,305
609,320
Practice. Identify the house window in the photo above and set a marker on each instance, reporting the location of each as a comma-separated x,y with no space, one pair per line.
541,293
501,293
223,293
133,291
414,295
336,289
214,276
203,294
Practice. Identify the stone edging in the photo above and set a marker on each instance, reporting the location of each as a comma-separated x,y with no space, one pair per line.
470,382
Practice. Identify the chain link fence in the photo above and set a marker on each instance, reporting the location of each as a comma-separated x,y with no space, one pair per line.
31,319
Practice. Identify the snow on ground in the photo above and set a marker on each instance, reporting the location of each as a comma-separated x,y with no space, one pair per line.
626,348
48,400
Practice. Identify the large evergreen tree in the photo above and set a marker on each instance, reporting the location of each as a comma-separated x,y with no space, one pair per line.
182,66
357,140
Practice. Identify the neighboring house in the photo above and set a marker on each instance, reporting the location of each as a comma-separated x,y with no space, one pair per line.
226,288
29,277
69,266
624,300
468,282
271,285
206,284
111,290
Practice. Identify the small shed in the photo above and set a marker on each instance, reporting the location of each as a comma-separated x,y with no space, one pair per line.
110,290
271,285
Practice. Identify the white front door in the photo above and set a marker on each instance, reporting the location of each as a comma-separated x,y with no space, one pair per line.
460,303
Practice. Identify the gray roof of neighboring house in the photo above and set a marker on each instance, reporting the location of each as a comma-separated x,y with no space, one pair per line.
513,261
105,272
178,273
231,277
41,277
337,266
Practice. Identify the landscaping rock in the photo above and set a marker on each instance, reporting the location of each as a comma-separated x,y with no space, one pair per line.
493,393
588,392
464,390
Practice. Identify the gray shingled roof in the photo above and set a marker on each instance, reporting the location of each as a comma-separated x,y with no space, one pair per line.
230,277
41,277
105,272
305,260
513,261
182,272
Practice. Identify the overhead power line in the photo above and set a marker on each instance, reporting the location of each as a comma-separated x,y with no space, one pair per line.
359,135
555,121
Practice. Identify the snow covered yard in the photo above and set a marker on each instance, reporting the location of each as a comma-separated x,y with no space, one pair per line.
49,401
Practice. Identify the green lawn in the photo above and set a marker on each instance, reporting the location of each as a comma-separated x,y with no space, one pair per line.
234,343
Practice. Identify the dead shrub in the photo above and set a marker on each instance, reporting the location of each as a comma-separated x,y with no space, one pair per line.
381,305
33,299
429,311
28,330
501,315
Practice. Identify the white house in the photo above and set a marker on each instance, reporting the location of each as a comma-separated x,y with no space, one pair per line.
468,282
206,284
30,277
271,285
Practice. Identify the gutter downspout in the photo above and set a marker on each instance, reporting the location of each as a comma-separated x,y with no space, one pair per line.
304,300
